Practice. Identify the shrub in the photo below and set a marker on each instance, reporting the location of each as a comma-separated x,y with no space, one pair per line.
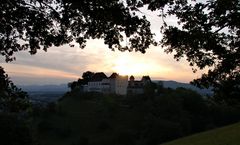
14,131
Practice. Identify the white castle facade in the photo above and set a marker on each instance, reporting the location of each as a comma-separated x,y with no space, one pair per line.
116,84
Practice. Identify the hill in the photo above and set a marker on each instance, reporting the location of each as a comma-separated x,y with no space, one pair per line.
174,85
229,135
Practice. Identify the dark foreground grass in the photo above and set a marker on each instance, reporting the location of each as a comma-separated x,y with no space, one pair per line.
228,135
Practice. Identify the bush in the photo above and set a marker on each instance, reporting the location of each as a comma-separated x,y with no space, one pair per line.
44,126
224,114
125,138
51,107
103,125
14,131
83,141
63,132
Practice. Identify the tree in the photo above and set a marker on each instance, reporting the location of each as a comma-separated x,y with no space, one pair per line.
80,82
160,87
72,85
14,103
12,99
87,76
150,88
39,24
207,35
15,130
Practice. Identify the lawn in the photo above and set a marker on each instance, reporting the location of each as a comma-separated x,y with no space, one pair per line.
228,135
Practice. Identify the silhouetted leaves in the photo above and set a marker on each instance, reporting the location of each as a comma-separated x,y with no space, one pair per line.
12,99
40,24
207,35
15,131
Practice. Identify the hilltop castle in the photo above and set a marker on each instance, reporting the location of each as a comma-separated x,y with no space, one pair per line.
116,84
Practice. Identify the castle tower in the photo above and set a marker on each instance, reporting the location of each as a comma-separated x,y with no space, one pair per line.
131,81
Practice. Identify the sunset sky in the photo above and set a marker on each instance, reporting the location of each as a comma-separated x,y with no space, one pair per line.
64,64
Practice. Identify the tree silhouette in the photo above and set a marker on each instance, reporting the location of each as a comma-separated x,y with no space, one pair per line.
12,99
87,76
207,35
39,24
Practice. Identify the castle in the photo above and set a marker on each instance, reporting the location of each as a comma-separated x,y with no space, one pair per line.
116,84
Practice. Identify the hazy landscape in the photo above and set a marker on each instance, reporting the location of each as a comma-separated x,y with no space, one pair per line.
50,93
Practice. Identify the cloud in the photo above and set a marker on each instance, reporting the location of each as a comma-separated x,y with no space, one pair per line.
64,64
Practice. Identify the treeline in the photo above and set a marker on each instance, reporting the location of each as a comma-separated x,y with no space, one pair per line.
177,113
15,110
143,119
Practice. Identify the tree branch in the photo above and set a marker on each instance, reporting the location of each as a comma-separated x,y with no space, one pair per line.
221,28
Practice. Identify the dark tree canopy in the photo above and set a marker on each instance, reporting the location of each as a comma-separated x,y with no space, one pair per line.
87,76
12,99
35,24
207,35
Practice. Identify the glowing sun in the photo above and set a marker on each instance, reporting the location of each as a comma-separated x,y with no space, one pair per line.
127,65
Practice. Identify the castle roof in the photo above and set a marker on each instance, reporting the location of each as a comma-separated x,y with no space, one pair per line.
113,76
146,78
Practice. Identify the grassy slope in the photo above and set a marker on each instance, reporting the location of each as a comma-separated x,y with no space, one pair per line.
229,135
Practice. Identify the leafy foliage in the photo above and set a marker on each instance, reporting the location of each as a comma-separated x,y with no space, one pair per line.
12,99
87,76
35,24
207,35
141,119
14,131
210,35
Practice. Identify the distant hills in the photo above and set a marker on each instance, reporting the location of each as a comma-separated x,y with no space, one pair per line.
174,85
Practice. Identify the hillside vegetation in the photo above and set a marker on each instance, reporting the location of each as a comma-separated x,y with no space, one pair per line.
148,119
228,135
80,121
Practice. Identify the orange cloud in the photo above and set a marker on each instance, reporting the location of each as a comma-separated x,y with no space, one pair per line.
32,71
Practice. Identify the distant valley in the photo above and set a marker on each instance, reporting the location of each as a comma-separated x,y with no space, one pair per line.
45,93
45,88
